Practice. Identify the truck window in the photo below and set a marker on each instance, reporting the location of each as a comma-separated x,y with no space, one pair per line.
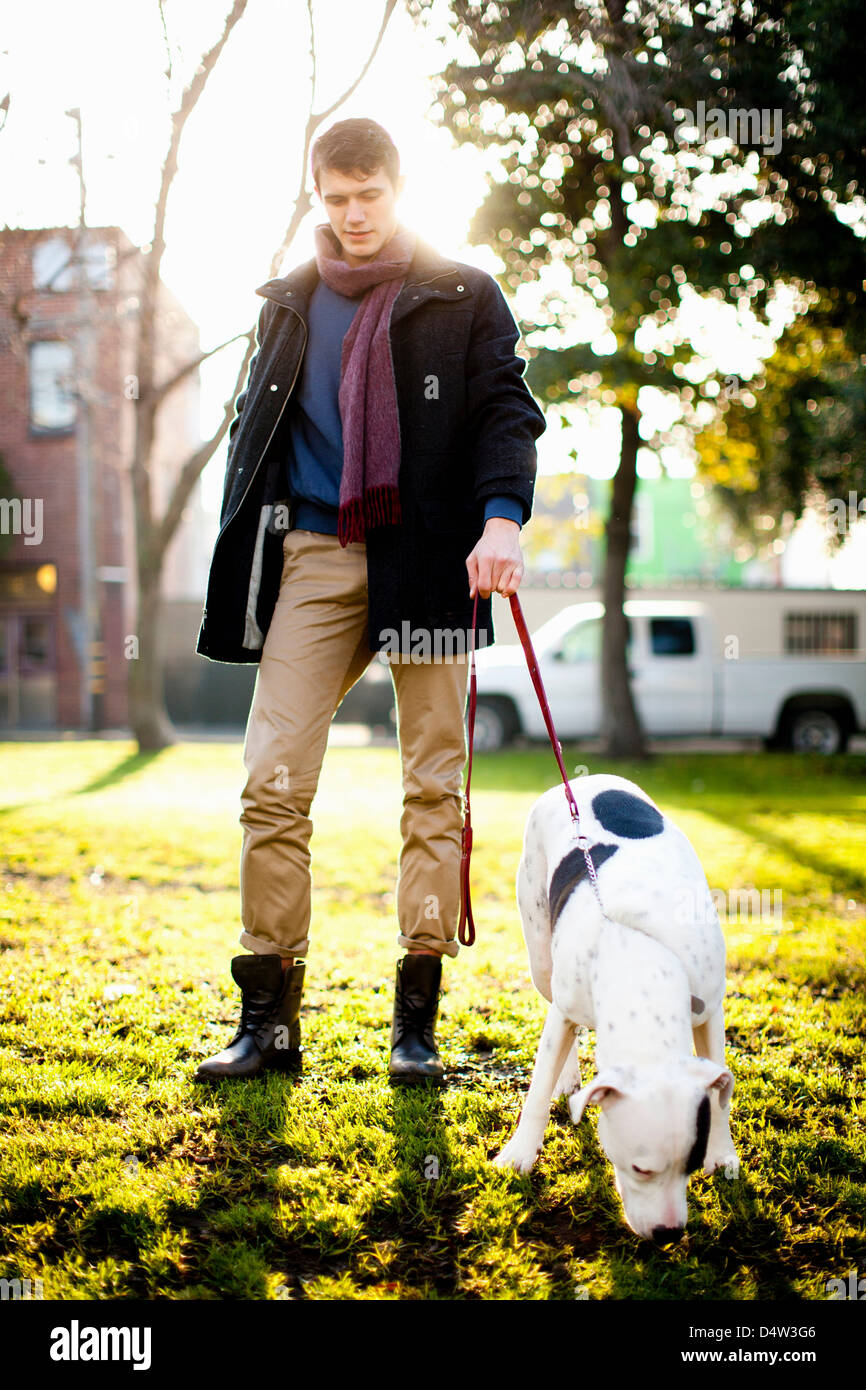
820,632
672,637
583,641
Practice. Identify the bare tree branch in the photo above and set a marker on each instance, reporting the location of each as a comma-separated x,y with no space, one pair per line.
312,54
321,115
145,414
169,66
303,202
194,465
153,534
163,389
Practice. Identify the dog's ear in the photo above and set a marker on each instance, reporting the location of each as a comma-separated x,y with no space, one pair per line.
610,1083
714,1077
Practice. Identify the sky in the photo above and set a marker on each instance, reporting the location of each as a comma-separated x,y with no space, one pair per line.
239,165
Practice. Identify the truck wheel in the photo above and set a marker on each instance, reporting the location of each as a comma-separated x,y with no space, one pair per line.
817,731
493,726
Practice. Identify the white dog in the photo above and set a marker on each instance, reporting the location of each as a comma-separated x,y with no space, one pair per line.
648,975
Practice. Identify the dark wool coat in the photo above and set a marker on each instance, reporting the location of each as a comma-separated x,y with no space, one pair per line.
468,426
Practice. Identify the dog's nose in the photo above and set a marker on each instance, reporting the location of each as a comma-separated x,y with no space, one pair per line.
667,1235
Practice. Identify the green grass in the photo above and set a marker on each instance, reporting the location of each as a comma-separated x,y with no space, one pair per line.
121,1179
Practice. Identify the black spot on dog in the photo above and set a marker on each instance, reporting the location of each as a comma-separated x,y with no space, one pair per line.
571,871
698,1005
699,1147
627,815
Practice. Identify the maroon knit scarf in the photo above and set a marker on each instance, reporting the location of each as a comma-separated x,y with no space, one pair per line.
369,492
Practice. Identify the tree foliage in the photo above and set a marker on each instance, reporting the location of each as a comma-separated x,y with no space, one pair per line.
650,152
603,199
795,435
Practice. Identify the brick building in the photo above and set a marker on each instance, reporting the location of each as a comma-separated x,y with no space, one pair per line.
68,325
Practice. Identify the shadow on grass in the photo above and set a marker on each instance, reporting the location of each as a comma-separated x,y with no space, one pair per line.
237,1237
428,1191
127,767
846,878
798,781
238,1232
232,1238
240,1227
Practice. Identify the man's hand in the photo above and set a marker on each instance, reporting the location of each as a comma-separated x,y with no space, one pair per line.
496,563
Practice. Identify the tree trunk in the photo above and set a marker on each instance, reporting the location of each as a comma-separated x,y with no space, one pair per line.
148,715
620,725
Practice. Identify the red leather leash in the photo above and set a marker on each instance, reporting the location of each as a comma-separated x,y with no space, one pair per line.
466,925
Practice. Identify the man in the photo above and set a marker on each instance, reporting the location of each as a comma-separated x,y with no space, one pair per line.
381,463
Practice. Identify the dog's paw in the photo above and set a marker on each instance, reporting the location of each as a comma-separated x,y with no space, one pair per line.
516,1155
724,1159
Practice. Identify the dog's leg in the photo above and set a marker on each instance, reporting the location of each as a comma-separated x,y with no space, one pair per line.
525,1145
569,1077
534,906
710,1042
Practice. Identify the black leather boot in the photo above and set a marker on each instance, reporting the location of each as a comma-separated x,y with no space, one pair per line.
416,1000
269,1033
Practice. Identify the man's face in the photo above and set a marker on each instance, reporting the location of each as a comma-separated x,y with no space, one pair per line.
362,210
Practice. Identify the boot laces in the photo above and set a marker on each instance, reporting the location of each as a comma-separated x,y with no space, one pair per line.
256,1009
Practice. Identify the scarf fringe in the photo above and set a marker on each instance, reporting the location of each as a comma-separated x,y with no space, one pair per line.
379,506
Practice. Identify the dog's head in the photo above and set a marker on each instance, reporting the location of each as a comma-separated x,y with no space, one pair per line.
653,1126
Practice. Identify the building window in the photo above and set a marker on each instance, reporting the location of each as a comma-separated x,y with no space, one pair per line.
51,265
820,632
99,264
55,271
35,644
28,676
53,405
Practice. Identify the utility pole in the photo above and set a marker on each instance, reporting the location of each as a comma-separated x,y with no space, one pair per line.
91,667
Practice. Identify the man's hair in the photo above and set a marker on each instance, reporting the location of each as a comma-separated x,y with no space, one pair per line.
356,146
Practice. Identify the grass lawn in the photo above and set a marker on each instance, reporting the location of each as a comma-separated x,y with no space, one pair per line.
122,1179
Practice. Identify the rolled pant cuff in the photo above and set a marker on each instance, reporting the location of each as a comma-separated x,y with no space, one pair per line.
444,948
261,947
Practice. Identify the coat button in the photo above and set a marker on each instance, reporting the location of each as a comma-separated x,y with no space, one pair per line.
274,387
460,287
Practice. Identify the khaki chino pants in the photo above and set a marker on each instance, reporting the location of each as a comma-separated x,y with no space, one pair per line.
315,649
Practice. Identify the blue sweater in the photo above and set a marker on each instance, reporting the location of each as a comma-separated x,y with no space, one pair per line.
315,464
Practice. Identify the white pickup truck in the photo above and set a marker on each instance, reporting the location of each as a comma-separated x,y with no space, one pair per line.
681,687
